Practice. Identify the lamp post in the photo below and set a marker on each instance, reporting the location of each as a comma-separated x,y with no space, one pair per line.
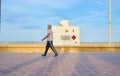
110,21
0,17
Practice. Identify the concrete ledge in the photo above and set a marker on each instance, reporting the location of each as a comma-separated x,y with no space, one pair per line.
40,47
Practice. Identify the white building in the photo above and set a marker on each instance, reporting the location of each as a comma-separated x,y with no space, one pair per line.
63,34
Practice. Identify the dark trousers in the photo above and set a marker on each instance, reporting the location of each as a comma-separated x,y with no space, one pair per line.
50,44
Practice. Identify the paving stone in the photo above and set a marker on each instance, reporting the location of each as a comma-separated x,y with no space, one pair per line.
66,64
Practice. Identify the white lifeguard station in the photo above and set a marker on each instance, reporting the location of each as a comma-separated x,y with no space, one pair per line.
63,34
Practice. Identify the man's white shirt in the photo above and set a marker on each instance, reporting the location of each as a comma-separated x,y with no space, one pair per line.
50,38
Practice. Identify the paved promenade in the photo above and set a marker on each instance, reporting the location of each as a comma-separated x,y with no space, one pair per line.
66,64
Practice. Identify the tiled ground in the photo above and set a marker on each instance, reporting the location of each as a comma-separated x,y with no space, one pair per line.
66,64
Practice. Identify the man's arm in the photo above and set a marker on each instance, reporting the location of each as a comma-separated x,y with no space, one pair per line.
46,36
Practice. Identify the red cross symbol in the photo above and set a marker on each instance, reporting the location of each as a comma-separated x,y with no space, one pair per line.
73,37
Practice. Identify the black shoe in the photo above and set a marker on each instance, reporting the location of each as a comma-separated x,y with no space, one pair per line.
43,54
55,55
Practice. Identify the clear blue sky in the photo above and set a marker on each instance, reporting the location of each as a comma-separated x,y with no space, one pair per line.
26,20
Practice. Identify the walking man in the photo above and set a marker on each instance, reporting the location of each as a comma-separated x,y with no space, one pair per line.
49,43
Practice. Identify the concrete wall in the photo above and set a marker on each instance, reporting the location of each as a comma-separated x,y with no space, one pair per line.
64,34
39,48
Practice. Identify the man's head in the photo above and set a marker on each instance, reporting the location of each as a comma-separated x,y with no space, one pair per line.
49,26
